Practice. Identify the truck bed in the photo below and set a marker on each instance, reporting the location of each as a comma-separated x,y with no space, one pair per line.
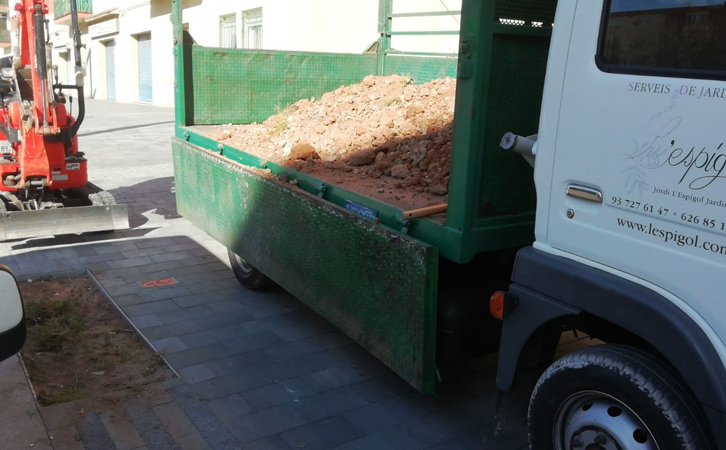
384,137
385,189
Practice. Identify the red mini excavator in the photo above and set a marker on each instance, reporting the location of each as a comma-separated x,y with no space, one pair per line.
43,176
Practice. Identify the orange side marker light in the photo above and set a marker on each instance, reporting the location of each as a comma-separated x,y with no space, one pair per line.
496,305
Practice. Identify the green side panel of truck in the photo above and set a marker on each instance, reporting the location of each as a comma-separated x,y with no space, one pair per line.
418,68
377,285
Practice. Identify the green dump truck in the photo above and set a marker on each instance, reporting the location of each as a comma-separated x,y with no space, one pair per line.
626,241
379,280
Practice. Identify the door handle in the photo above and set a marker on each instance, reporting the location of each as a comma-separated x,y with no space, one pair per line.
584,193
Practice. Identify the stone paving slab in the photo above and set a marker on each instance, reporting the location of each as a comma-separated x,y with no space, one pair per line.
259,370
19,415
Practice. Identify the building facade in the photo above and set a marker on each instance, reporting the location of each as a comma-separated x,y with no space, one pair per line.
5,35
128,44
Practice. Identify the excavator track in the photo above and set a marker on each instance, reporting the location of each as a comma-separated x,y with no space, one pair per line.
102,198
98,213
95,195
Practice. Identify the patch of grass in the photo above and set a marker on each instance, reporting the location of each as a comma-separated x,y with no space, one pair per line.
279,121
135,388
148,371
105,366
391,101
35,375
279,124
53,323
63,395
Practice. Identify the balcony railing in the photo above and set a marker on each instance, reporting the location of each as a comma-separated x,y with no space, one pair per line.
62,9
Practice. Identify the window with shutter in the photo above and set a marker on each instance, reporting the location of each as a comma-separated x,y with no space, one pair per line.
228,31
252,28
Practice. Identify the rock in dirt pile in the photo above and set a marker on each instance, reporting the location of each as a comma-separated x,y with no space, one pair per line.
382,127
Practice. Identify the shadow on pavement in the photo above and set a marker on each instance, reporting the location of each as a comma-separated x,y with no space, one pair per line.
74,239
149,203
148,199
260,367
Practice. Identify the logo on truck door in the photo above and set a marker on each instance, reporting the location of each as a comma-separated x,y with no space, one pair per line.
698,166
701,166
675,164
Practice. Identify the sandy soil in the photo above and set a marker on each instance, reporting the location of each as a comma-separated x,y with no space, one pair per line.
106,355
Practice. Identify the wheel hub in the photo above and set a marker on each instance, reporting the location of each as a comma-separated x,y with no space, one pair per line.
596,421
243,265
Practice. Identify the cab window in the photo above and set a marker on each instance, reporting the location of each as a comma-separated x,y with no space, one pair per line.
683,37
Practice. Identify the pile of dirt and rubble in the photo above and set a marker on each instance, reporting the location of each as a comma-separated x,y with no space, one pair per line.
385,134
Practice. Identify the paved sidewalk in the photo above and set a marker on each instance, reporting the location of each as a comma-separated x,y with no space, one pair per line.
259,370
20,418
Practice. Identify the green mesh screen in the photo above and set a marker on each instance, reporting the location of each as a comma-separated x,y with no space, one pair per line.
420,69
515,96
527,10
244,86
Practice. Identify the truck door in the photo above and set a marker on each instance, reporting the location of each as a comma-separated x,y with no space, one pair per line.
639,181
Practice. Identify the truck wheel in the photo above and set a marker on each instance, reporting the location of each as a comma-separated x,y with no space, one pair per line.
246,274
613,397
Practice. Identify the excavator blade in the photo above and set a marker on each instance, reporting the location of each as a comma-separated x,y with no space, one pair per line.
101,214
49,222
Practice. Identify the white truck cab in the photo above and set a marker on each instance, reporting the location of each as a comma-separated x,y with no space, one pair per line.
630,243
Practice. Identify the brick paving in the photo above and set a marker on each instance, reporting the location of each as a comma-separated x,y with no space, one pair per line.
258,370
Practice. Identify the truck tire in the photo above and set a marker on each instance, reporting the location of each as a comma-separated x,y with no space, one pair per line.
613,397
246,274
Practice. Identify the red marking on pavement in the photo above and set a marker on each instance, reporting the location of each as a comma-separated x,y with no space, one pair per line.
157,283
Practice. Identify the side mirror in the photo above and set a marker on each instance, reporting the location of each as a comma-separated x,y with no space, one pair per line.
12,315
7,73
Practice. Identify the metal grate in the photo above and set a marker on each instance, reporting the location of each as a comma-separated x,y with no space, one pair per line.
252,28
228,31
536,13
110,70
